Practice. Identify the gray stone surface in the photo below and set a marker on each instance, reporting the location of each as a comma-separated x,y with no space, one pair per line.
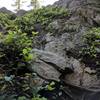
45,66
52,58
45,70
80,77
69,38
72,4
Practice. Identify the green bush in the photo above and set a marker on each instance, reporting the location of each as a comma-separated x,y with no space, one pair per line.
15,49
91,50
15,62
6,20
42,16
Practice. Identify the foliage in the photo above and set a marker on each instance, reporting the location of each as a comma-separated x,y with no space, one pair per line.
41,16
5,19
50,86
91,50
38,98
15,49
15,58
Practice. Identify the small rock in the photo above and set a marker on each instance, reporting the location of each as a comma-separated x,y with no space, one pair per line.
89,70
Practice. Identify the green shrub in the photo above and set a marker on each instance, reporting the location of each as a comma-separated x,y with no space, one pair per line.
15,62
91,50
15,50
6,20
42,16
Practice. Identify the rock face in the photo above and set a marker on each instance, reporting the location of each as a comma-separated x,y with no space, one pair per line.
73,4
46,70
63,44
51,58
4,10
50,65
82,76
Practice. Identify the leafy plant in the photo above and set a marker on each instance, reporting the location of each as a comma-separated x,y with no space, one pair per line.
15,59
91,50
50,86
7,20
15,49
41,16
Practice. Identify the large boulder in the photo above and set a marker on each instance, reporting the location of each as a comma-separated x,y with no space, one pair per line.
50,57
46,71
82,76
50,65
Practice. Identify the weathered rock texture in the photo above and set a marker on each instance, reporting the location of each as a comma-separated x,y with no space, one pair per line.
64,41
50,65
